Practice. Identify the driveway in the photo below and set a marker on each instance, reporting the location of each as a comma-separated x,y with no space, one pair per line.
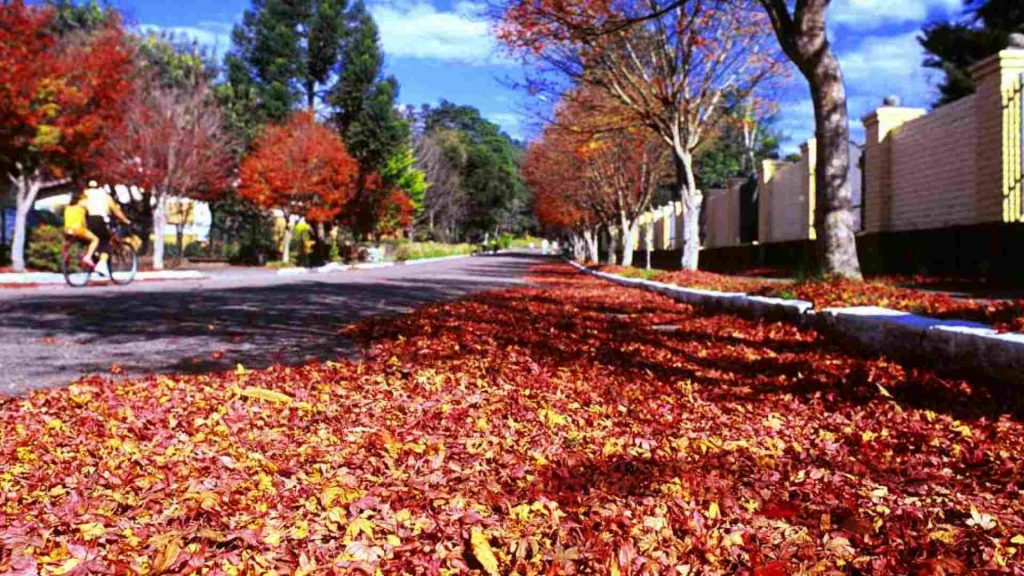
49,336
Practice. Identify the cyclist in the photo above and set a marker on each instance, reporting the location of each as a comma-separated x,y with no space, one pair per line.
76,226
99,205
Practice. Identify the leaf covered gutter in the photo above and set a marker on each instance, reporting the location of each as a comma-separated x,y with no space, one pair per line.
962,347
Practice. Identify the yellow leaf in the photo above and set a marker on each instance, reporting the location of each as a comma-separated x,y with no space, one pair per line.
92,530
1018,539
68,565
264,394
713,512
482,551
239,369
272,537
166,558
394,541
359,526
614,569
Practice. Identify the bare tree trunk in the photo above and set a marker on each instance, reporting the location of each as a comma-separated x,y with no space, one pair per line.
691,199
833,216
628,239
286,250
159,223
803,36
648,243
179,242
590,237
20,236
26,189
613,247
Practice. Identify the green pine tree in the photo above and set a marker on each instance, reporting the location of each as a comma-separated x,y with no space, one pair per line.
953,47
285,51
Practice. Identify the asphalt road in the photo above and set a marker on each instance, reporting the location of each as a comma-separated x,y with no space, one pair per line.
49,336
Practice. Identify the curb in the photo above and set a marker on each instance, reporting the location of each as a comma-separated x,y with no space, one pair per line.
964,347
432,260
336,267
50,278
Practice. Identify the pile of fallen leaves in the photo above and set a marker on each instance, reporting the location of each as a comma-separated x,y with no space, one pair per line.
840,292
573,428
1003,314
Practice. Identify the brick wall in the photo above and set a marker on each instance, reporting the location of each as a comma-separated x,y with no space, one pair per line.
722,216
959,165
785,201
933,169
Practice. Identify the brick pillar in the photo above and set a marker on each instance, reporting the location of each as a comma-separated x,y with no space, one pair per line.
764,199
998,156
877,195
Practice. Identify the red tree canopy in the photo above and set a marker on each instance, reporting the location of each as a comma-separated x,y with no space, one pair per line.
172,142
59,95
301,167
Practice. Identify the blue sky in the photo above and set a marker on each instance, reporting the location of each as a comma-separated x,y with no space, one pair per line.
443,49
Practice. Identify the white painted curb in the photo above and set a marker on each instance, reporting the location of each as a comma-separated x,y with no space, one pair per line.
29,278
333,267
957,345
293,271
432,260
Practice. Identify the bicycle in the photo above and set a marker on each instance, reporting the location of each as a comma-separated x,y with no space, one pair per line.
122,259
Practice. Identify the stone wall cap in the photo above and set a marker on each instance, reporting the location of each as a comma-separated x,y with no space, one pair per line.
990,65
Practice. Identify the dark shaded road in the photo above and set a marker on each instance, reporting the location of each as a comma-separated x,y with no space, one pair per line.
51,336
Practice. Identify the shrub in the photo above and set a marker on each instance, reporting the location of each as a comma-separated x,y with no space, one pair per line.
197,250
44,248
423,250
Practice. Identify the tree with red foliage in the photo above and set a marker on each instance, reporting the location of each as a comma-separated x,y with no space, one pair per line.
670,64
59,98
591,159
301,168
173,144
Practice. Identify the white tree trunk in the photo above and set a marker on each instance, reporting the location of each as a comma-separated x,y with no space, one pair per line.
159,224
613,248
648,242
691,229
628,240
20,235
26,190
590,238
286,251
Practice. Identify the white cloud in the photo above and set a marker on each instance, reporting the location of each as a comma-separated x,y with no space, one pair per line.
418,30
510,122
873,13
877,67
214,36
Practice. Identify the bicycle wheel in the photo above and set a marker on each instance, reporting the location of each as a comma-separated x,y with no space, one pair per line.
124,264
75,274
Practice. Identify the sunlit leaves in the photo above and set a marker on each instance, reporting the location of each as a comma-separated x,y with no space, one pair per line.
545,430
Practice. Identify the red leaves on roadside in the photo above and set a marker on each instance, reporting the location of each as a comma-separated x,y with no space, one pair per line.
571,428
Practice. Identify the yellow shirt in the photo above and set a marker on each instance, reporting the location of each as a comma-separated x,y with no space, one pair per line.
74,218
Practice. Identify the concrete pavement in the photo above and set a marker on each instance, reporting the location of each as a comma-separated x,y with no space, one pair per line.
51,335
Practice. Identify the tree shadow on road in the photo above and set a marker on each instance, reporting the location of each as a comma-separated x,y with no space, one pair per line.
58,338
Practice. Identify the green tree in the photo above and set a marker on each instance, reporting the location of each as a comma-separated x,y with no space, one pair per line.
492,196
285,51
401,170
362,104
954,46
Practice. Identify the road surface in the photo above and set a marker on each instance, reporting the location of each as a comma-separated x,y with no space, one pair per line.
49,336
